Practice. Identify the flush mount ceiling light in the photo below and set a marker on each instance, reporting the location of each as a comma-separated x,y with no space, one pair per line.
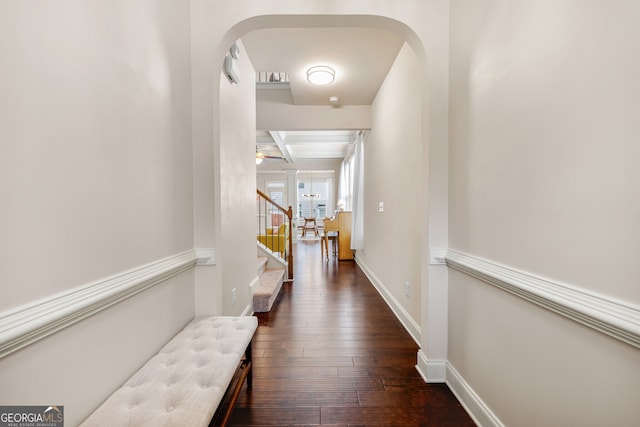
321,75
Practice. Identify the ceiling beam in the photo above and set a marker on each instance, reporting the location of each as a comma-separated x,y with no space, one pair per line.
279,140
319,137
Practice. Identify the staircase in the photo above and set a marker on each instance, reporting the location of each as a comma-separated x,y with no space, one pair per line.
275,230
268,288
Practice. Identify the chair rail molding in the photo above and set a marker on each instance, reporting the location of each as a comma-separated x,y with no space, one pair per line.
27,324
618,319
437,256
205,256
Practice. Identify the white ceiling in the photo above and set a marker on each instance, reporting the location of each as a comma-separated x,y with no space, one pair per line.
305,144
361,58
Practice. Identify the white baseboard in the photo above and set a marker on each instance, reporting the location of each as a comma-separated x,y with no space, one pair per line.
25,325
618,319
409,324
475,407
432,371
248,310
253,284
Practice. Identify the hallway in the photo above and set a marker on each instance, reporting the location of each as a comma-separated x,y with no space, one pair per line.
331,352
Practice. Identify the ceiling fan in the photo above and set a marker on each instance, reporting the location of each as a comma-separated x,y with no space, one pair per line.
261,156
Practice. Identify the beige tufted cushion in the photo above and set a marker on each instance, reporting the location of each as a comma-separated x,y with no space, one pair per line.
184,383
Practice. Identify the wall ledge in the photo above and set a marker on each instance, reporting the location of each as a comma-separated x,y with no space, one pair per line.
620,320
25,325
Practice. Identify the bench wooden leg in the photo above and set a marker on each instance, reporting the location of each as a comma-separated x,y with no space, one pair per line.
236,392
250,372
245,374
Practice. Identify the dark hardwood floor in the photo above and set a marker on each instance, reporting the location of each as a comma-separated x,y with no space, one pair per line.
331,352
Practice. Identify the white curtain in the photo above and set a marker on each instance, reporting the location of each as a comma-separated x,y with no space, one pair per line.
357,225
343,191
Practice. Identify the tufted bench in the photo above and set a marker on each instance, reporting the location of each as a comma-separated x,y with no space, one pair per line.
185,382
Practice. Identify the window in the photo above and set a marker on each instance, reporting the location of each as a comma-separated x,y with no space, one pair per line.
276,190
315,194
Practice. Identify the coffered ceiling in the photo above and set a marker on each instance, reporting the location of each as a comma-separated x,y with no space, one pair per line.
305,144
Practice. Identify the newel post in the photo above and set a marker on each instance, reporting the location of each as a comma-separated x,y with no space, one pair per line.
290,255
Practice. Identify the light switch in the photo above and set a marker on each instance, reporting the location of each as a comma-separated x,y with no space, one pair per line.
381,207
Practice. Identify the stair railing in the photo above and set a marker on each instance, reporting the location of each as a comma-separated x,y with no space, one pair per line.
275,229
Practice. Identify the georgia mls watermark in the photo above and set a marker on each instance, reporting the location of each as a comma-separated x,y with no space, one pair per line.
31,416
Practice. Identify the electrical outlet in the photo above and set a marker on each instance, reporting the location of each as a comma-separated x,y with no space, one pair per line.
407,289
234,296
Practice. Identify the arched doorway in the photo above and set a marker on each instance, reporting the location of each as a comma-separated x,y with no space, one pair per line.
209,185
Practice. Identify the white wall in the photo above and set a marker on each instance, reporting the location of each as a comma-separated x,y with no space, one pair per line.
95,179
276,111
237,207
81,365
393,176
544,107
95,143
